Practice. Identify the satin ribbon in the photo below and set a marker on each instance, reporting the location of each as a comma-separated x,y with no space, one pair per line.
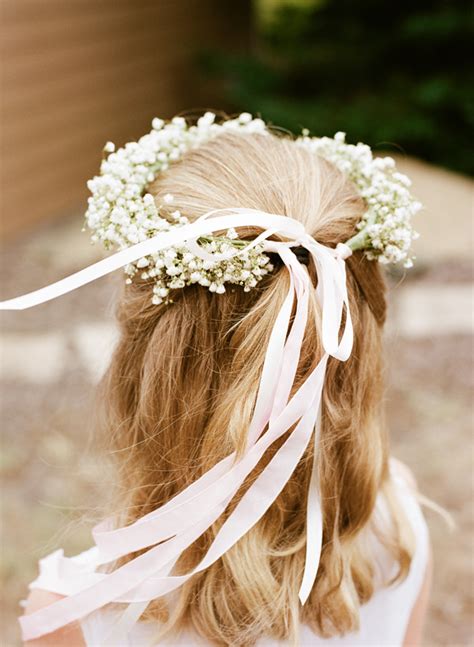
206,224
178,523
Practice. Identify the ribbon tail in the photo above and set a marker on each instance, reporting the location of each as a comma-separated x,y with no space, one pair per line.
295,337
314,524
118,628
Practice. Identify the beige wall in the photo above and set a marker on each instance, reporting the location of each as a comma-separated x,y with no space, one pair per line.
76,73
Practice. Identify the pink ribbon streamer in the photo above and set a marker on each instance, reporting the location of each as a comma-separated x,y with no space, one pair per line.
177,524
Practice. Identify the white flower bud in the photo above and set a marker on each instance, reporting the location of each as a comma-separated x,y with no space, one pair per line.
206,120
157,123
179,121
245,118
148,199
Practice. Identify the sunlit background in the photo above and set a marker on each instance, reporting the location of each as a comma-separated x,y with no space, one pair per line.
78,73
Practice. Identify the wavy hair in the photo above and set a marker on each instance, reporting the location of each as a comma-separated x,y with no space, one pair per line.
180,391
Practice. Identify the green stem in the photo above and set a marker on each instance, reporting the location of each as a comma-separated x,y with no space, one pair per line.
232,241
359,241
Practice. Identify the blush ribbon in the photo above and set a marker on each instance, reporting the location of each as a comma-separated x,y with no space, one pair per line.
167,531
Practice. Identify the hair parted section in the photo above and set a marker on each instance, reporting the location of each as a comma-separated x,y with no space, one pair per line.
180,391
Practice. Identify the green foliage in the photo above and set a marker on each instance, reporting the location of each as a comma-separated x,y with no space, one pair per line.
394,75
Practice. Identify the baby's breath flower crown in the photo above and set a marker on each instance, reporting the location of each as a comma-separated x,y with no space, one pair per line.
121,213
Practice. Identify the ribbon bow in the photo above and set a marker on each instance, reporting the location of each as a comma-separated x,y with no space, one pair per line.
167,531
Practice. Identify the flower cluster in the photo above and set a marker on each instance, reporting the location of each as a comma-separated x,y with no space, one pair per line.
176,267
385,231
120,213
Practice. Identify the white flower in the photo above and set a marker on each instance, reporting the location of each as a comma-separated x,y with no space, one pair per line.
162,292
179,121
148,199
206,120
157,123
245,118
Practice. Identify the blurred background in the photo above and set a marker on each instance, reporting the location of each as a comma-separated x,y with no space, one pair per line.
76,74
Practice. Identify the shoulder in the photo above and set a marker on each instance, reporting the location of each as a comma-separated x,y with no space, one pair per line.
402,470
419,576
414,630
70,635
405,489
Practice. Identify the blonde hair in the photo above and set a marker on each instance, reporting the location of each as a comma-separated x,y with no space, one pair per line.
181,387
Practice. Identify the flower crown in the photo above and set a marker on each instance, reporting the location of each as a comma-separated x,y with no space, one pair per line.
121,213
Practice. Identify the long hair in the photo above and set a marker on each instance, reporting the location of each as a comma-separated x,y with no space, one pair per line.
180,391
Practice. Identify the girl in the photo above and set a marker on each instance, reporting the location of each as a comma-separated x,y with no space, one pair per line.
259,504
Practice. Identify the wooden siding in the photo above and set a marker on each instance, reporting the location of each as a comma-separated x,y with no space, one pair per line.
76,73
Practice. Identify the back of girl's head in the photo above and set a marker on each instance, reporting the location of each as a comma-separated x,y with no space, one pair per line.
182,385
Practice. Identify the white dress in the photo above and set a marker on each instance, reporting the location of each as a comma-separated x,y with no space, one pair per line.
383,620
